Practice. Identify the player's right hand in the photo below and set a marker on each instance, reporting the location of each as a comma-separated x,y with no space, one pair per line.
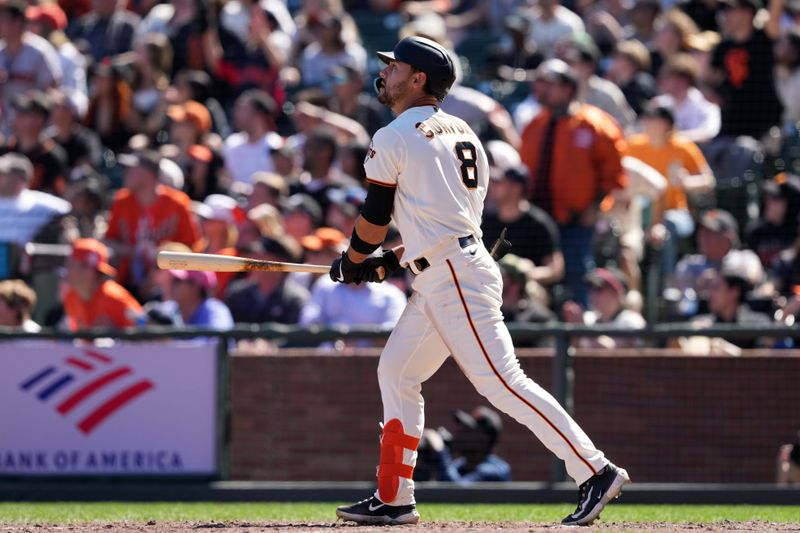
343,270
377,269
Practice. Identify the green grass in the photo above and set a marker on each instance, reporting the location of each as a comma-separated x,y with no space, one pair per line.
323,512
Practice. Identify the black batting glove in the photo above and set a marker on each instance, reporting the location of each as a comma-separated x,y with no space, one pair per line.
343,270
372,267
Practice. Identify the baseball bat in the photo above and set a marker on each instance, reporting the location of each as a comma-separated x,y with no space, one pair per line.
226,263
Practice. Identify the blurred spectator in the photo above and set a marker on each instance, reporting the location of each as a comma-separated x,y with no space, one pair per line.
717,235
777,227
551,22
787,76
93,299
81,145
703,12
524,301
151,66
319,173
25,215
532,232
249,149
349,99
337,304
351,160
17,301
197,154
583,56
674,31
86,192
687,173
642,19
106,31
740,272
261,221
789,463
301,215
742,69
467,456
696,118
218,215
571,139
608,290
630,70
265,297
268,188
145,214
321,248
345,206
198,86
48,158
49,22
254,46
515,51
109,106
786,275
189,26
191,301
328,50
28,61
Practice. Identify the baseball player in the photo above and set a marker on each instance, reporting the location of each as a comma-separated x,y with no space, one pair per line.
428,171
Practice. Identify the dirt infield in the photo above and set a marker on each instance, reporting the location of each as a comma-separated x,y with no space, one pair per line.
341,527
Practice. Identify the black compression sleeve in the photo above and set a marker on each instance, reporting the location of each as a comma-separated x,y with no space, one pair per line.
377,208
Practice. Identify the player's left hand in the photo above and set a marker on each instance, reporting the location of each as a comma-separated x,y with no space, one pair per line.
343,270
377,269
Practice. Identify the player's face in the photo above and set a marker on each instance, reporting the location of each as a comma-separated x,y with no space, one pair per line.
397,79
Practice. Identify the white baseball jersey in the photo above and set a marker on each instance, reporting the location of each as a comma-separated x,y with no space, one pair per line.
441,173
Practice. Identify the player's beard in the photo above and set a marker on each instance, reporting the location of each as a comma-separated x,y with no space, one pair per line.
389,96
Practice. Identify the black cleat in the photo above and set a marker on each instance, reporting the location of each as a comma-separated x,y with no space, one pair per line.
595,493
374,511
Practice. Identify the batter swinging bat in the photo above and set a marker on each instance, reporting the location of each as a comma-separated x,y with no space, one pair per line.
225,263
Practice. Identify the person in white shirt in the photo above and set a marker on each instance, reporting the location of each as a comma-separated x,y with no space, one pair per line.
696,118
249,150
550,22
330,49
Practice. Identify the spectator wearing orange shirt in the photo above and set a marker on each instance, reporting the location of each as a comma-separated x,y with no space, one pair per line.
92,298
145,214
687,173
573,152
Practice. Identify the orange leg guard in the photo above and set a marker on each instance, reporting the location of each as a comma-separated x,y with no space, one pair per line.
393,442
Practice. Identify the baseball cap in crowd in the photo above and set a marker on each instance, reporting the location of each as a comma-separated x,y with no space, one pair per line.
744,265
170,173
514,267
349,200
305,204
193,112
15,7
219,207
483,418
657,110
148,159
283,247
556,70
205,280
755,5
274,182
720,221
32,102
600,277
93,253
50,14
16,163
583,49
502,156
324,239
783,185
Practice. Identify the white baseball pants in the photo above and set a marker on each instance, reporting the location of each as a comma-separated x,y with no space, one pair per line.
455,309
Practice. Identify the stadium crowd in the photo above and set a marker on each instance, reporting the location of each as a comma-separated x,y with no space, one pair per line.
644,156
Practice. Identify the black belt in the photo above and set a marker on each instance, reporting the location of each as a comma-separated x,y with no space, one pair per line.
463,242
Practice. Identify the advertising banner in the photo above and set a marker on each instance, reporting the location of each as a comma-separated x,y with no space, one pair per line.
131,409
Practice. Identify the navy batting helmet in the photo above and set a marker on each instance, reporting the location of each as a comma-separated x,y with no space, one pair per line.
427,56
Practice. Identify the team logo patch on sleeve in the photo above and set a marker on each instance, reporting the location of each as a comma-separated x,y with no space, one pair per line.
370,153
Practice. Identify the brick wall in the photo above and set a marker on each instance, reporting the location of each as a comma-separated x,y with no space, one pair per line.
667,419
